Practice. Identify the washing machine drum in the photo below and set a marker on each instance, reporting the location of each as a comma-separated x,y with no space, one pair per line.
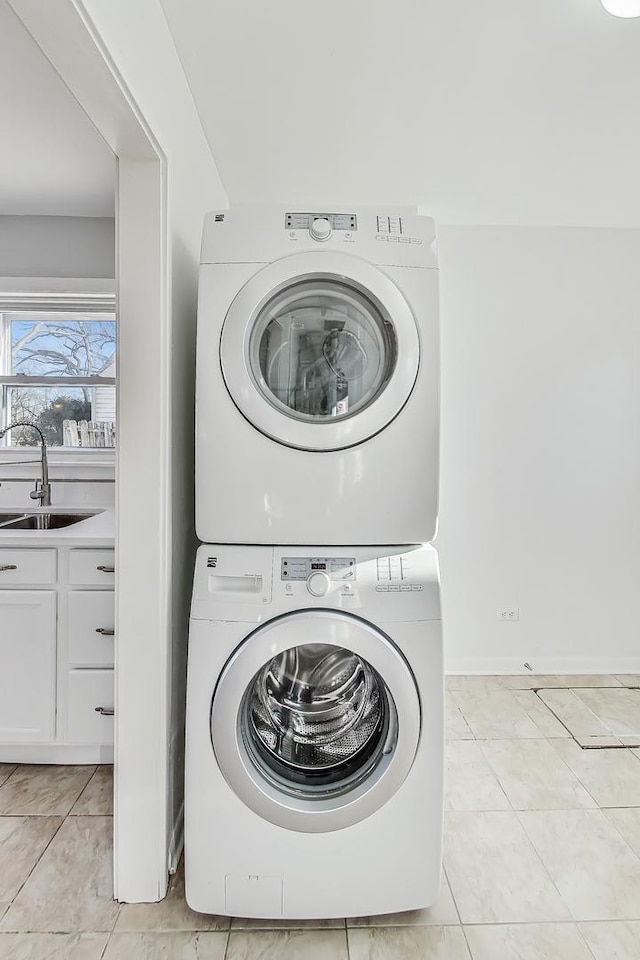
315,734
317,717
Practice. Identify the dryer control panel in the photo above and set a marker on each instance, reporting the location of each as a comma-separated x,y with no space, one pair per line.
301,568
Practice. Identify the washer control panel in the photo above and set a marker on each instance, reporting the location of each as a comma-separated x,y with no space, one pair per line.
332,568
393,576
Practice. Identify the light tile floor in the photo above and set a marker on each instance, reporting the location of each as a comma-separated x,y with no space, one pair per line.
542,857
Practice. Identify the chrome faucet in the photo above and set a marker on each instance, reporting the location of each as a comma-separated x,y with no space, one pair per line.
42,491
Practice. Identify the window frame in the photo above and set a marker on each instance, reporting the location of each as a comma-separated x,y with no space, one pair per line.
50,306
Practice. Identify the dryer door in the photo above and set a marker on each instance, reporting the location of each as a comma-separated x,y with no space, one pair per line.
315,720
320,351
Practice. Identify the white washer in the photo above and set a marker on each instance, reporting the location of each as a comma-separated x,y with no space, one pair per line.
317,378
314,757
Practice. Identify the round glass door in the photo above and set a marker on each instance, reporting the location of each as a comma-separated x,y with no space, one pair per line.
316,720
320,350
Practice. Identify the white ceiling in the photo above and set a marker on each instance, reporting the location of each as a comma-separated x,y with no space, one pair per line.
479,111
52,160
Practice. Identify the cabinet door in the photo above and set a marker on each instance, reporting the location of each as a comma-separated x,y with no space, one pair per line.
27,665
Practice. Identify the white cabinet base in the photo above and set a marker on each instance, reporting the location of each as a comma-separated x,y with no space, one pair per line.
55,753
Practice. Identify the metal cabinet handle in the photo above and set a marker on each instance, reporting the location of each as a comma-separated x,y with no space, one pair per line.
103,569
8,566
105,711
105,631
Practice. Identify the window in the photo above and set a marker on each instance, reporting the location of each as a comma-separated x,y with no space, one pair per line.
58,371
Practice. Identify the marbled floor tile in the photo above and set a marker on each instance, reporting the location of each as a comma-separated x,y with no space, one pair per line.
97,797
534,777
546,722
495,714
408,943
52,946
166,946
628,679
172,913
43,791
626,820
442,913
613,940
22,842
71,887
618,710
527,941
286,945
470,782
596,872
455,725
532,681
6,769
495,874
612,777
573,713
479,684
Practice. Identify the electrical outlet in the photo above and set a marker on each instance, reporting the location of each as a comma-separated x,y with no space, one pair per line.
510,614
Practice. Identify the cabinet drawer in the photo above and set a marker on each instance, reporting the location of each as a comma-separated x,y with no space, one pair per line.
88,689
90,628
91,567
27,566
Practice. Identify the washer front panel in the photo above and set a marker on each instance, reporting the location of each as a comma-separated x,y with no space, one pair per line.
299,395
280,791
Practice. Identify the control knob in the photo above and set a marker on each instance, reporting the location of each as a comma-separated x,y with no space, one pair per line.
320,229
318,584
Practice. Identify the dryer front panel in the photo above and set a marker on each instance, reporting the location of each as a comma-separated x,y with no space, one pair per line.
320,351
315,720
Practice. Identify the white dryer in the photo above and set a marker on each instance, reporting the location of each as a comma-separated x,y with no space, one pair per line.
317,377
314,756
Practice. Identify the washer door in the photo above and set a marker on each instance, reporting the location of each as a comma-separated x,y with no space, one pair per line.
315,721
320,351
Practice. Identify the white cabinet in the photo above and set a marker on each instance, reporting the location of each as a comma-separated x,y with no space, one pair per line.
27,665
57,633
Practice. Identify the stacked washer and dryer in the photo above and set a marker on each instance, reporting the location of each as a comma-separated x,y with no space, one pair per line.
314,757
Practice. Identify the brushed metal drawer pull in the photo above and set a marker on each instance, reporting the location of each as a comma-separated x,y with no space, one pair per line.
105,631
104,569
8,566
105,711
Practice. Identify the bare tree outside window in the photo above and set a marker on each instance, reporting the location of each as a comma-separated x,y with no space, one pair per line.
58,354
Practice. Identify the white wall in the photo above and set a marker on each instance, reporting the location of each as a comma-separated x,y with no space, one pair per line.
57,246
540,484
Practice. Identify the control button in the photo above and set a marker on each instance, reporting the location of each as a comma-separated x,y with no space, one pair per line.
416,586
288,588
394,588
415,240
404,587
393,237
404,240
348,236
380,236
382,588
347,588
320,229
318,584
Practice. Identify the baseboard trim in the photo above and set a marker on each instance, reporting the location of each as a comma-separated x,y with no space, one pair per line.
496,666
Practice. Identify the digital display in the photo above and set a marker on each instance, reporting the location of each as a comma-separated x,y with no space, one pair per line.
318,566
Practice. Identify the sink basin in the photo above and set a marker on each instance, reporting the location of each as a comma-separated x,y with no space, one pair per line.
41,521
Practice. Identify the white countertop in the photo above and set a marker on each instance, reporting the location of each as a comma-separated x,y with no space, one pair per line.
99,529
